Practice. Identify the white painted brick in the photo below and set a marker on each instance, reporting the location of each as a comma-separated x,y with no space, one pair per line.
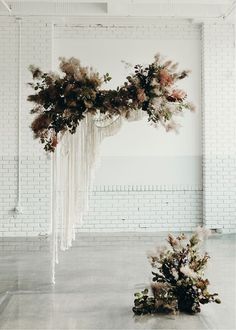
135,212
219,133
120,208
34,34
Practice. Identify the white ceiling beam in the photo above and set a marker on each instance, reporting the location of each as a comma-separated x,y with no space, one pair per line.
182,10
62,1
208,2
37,8
184,2
179,9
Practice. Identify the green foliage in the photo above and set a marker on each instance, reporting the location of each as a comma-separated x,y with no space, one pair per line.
62,101
106,78
178,283
143,304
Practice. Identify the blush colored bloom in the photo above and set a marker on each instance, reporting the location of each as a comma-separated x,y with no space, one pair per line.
141,96
40,123
54,141
165,78
178,94
173,240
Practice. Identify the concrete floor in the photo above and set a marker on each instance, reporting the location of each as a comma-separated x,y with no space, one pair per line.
95,282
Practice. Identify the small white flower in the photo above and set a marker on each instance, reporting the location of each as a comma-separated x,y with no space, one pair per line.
188,271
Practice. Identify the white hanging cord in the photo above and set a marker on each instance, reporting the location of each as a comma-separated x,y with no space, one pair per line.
18,208
53,225
104,120
73,168
54,197
54,240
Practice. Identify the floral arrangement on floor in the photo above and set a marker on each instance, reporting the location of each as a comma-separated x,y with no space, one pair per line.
178,283
62,101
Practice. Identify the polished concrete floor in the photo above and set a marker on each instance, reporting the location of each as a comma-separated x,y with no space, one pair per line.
95,282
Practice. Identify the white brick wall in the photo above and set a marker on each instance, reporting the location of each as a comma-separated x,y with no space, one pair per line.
164,30
35,166
219,130
144,209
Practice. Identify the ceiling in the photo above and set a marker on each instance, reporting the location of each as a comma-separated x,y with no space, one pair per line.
189,9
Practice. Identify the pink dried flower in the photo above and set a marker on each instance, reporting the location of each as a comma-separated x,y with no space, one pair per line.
165,78
141,96
178,94
172,240
54,141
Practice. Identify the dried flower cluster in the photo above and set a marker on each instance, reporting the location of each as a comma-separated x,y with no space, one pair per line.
178,283
61,102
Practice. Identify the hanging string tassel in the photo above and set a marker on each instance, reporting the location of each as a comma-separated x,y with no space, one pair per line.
74,165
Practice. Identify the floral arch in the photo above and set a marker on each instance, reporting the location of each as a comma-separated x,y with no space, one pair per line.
74,114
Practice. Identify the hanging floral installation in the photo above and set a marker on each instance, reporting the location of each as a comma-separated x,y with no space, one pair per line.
178,283
76,97
62,102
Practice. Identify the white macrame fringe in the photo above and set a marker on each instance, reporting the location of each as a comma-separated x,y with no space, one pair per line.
74,162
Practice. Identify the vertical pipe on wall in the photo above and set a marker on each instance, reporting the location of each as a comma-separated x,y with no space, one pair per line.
52,61
203,106
54,204
18,208
54,229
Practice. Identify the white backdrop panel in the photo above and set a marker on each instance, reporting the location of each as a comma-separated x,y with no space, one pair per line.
140,154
